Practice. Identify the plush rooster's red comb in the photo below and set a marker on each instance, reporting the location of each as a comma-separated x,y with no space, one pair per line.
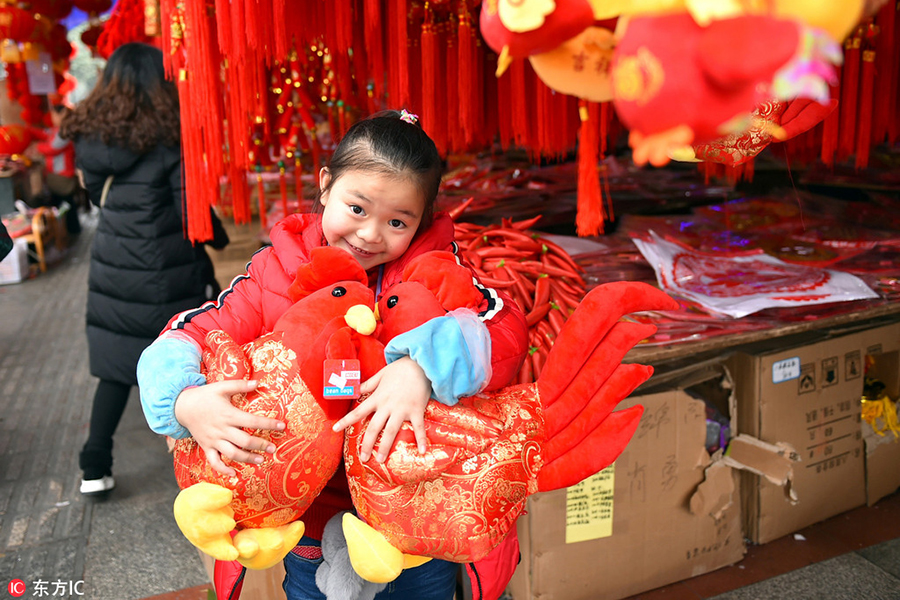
451,283
327,266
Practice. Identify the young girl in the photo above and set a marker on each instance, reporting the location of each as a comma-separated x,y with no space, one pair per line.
377,203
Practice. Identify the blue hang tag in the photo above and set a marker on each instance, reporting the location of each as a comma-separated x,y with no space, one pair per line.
341,379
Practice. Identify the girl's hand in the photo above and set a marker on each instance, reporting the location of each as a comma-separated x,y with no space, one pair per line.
215,423
399,392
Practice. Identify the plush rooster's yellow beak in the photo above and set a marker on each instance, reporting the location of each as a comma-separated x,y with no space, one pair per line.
361,319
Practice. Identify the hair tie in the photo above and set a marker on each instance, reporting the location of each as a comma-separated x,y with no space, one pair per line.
408,117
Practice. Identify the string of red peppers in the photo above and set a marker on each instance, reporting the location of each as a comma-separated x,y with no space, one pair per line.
536,273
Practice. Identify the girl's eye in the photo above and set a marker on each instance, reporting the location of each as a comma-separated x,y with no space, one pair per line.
396,223
392,301
338,292
356,210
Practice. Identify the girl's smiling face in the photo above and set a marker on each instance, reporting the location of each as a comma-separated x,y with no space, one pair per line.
373,216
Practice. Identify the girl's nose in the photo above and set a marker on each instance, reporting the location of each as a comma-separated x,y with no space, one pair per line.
370,233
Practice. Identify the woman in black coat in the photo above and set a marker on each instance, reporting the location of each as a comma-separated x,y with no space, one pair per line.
143,269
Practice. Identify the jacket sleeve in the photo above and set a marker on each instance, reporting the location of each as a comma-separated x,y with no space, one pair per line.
508,333
176,182
509,339
454,351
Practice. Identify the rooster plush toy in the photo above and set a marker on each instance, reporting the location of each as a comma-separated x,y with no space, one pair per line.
332,318
676,83
488,453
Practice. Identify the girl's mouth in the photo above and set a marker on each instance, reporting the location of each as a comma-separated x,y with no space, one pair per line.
360,251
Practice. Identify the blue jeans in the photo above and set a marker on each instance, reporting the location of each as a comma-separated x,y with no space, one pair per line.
435,580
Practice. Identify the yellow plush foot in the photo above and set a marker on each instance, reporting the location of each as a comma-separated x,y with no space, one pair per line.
265,547
204,515
372,556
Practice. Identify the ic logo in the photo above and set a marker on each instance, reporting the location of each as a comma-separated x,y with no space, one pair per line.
16,588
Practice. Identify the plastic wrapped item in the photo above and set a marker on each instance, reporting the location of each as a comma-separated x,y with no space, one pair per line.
737,286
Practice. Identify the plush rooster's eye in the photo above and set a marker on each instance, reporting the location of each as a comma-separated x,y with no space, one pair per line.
338,292
392,301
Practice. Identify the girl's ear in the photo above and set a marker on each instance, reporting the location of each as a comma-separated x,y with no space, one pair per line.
324,180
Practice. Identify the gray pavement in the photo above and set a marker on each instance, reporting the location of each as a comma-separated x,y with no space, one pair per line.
126,547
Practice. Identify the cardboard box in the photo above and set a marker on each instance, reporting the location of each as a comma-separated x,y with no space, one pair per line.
882,349
800,394
14,267
664,512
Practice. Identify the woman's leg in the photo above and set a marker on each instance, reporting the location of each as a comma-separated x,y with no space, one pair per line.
109,404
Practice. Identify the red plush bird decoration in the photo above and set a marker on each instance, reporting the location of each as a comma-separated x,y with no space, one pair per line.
332,318
676,83
488,453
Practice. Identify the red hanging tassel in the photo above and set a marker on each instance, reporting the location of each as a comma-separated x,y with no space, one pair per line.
864,135
885,72
282,187
400,59
468,106
298,181
456,137
517,105
849,96
590,216
261,197
830,131
374,45
428,73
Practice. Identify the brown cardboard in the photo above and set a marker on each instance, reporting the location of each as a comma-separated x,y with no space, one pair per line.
665,490
882,344
804,396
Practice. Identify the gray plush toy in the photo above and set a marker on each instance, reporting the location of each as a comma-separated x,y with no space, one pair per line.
335,577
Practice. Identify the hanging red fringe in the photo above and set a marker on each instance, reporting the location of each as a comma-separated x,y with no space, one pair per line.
885,73
590,217
849,96
429,72
374,45
261,198
298,181
830,131
468,107
867,86
282,187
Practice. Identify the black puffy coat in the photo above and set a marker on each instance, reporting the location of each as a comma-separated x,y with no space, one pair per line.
143,269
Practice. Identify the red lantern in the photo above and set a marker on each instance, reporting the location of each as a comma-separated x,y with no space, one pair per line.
16,24
52,9
93,7
90,36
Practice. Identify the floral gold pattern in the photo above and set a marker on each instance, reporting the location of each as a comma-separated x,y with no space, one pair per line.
307,454
458,500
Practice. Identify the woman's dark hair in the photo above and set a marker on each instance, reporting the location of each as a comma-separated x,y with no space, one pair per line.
385,144
132,105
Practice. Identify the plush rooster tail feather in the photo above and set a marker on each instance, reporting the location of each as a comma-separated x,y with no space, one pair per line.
595,452
624,380
582,385
588,326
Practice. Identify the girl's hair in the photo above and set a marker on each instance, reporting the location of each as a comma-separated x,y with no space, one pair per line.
132,105
385,144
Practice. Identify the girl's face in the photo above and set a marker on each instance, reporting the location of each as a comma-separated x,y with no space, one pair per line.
373,216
